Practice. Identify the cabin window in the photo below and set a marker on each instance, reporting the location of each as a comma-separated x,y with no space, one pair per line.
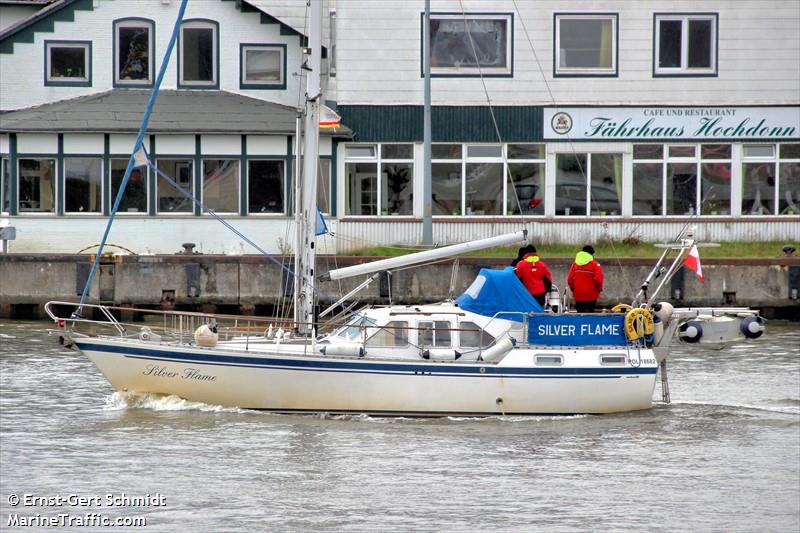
354,329
198,51
133,40
588,184
68,63
5,181
83,185
613,359
685,45
434,334
383,185
394,333
585,44
221,185
263,66
471,45
170,199
548,360
134,198
472,336
37,192
265,186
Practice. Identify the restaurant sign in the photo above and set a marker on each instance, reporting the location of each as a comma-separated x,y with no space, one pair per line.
671,123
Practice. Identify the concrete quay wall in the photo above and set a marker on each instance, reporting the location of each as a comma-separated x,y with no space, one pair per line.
247,284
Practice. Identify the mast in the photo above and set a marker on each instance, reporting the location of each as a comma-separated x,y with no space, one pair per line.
427,221
304,276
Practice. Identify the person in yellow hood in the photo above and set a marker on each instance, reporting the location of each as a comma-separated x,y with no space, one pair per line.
585,279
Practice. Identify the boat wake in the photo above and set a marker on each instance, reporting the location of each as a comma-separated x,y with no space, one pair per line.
121,401
789,406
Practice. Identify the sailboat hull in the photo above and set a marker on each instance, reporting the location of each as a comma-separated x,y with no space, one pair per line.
291,384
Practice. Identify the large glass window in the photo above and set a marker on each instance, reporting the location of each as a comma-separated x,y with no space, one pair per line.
83,185
715,179
36,191
596,178
681,198
472,336
134,199
526,169
605,184
686,45
789,185
471,44
389,192
221,185
198,54
265,186
586,44
68,62
434,334
648,179
324,186
170,200
263,66
571,172
133,63
394,333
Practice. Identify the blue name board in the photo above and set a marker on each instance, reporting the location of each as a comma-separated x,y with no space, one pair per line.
576,330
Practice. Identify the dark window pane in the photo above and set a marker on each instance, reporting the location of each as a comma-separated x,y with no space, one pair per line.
265,187
700,45
789,189
526,151
647,188
397,182
451,46
134,53
484,189
446,188
361,188
82,185
681,188
648,151
571,184
669,43
397,151
134,199
221,185
36,181
606,184
198,54
4,186
790,151
758,188
715,151
681,151
715,188
170,200
324,185
585,43
68,62
446,151
263,65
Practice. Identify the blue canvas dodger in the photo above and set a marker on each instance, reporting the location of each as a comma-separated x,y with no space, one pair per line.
498,291
576,330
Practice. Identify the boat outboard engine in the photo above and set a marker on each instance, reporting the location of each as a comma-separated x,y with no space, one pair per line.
752,327
554,299
691,331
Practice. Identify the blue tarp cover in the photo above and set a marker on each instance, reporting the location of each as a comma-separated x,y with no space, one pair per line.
498,291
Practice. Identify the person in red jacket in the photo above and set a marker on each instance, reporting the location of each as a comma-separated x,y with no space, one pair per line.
534,274
585,278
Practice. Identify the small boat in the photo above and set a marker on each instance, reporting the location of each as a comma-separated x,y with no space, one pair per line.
494,350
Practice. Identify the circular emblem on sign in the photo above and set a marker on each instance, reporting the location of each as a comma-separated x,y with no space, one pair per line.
561,123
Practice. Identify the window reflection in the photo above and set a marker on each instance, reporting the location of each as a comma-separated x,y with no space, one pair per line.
134,198
221,185
82,185
37,185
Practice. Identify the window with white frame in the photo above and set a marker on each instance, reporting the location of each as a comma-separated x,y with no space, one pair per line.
379,179
68,63
526,172
770,179
83,185
789,179
472,44
648,180
36,185
685,44
133,43
266,186
588,184
199,60
585,44
263,66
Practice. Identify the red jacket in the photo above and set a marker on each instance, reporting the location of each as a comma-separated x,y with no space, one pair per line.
534,274
585,278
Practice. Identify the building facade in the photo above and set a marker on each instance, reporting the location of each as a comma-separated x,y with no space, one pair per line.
579,120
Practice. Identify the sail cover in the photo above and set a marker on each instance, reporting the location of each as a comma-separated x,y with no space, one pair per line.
498,291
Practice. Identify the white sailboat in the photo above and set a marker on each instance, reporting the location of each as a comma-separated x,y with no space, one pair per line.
494,350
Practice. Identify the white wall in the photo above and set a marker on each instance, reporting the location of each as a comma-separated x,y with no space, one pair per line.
759,55
26,87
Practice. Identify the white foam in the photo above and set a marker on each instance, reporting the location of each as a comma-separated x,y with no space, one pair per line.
792,410
120,401
4,336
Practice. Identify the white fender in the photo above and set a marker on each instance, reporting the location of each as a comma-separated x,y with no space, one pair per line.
658,330
352,350
441,354
500,348
663,310
205,336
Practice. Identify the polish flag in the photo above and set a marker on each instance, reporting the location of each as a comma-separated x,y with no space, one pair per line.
692,262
